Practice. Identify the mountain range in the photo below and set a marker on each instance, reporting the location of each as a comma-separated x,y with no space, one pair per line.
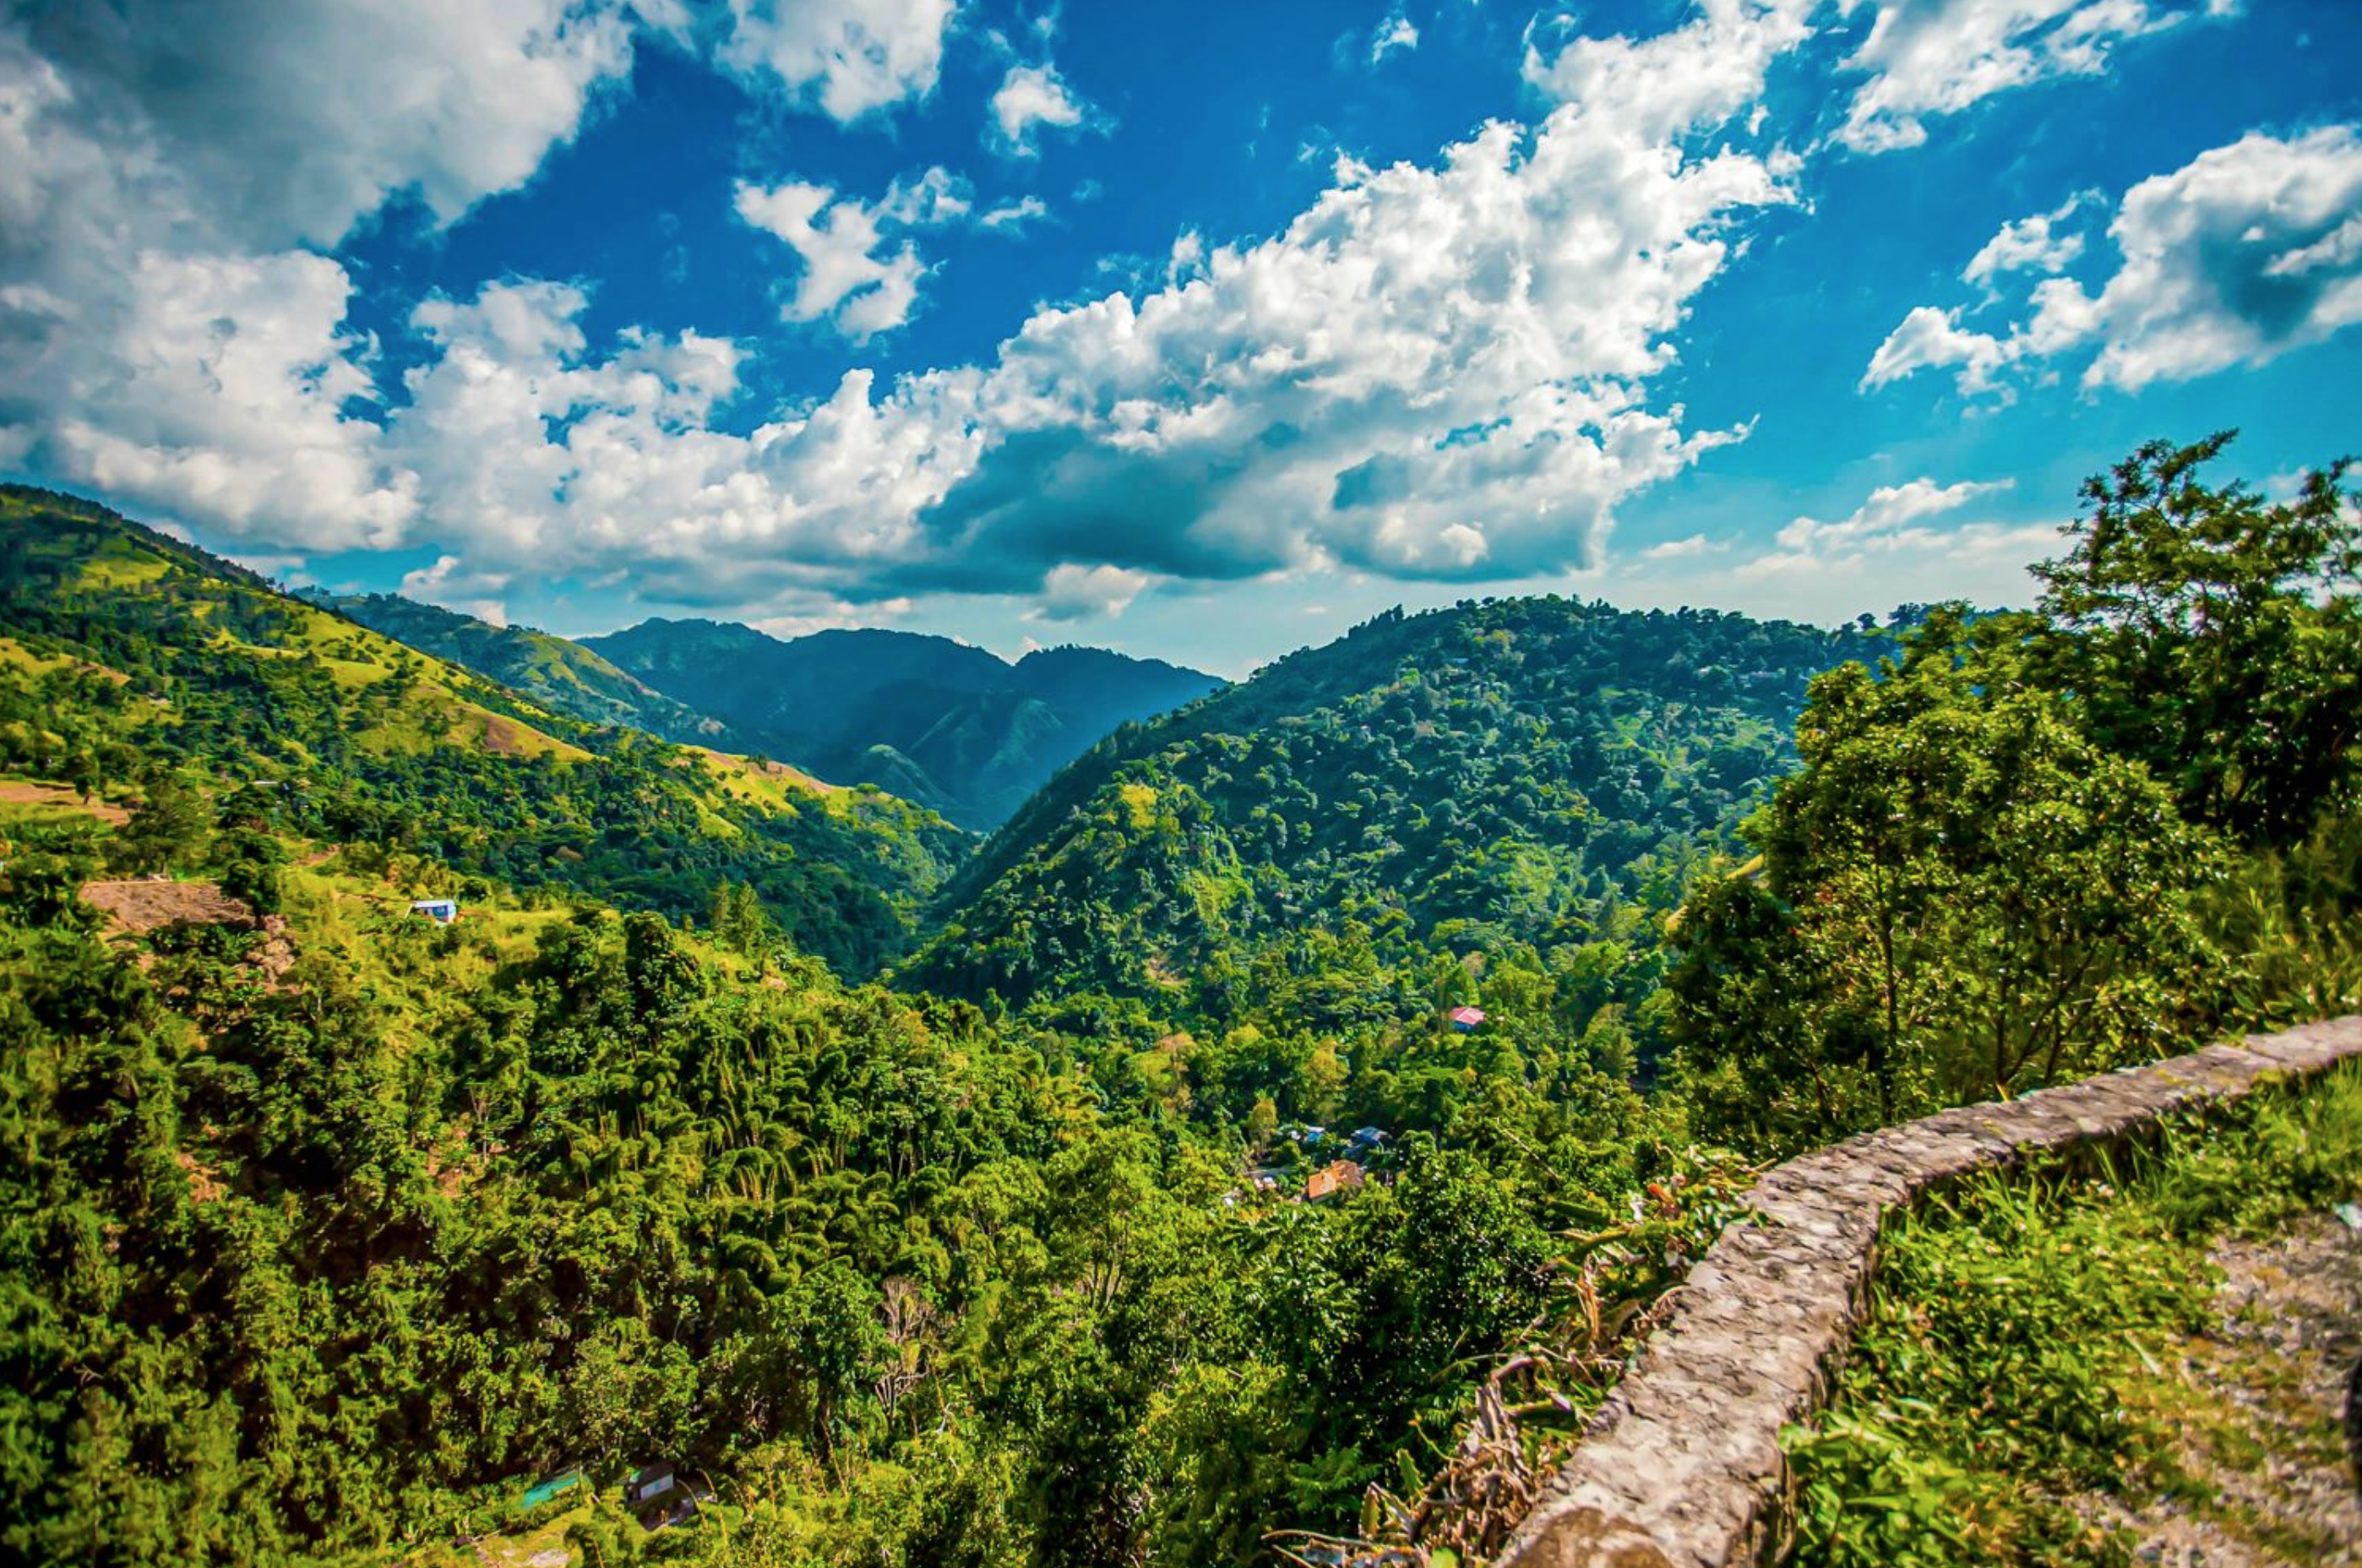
941,724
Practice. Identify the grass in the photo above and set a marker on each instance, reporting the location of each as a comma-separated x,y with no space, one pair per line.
2040,1340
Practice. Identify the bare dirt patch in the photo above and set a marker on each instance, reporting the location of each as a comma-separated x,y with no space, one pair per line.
2263,1443
144,906
206,1184
19,792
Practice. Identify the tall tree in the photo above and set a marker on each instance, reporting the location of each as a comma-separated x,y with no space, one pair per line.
2216,636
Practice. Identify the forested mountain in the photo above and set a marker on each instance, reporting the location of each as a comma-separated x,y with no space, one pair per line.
934,721
329,1228
139,665
1508,772
561,676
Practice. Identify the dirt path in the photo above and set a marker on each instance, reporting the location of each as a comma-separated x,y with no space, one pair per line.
2262,1399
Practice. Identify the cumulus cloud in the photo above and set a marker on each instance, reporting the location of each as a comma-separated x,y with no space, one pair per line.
1890,512
1931,58
2244,253
1433,372
1904,542
264,124
852,277
1441,370
1929,338
1697,77
164,334
219,391
2027,245
1029,98
1397,32
449,582
847,58
1073,593
1437,371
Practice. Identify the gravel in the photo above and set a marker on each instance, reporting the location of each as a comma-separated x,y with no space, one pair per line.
2264,1450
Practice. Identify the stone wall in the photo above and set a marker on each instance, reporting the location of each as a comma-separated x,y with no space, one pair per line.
1682,1468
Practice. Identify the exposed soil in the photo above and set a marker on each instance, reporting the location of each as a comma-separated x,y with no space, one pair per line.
2269,1479
19,793
206,1184
144,906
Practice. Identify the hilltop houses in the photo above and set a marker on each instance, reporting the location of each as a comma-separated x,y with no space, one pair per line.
1466,1019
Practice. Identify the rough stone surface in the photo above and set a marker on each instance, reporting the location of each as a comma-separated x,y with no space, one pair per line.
1682,1466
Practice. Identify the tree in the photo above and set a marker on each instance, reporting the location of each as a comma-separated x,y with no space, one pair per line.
1963,897
2216,636
166,828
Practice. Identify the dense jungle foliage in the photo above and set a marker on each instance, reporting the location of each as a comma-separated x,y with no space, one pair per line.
2032,846
329,1230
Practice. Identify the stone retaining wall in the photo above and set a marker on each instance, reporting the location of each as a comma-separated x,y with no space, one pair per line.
1681,1467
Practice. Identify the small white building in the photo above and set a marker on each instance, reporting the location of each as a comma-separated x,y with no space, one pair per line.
442,911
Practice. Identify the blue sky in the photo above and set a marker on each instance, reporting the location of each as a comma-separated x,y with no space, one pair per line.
1200,332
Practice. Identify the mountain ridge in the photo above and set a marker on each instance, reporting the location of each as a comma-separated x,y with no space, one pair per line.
946,723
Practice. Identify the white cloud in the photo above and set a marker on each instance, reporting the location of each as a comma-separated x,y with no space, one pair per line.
1930,58
2246,252
1073,593
265,124
1433,372
853,277
1901,545
1029,97
219,392
1676,549
449,583
847,58
1888,514
2027,245
1011,217
1397,32
1929,338
1697,77
928,199
160,335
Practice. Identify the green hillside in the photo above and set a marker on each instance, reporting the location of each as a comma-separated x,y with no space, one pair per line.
138,666
562,677
1512,772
